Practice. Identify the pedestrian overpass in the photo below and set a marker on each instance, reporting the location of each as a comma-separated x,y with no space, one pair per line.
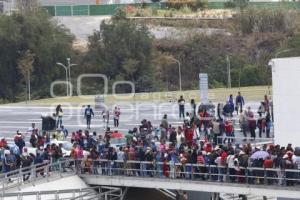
189,185
139,175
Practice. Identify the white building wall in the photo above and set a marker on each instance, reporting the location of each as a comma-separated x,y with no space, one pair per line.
286,99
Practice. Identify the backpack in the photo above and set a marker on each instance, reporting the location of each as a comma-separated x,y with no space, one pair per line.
88,111
26,161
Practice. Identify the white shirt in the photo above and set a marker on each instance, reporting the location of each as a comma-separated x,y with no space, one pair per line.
296,160
230,161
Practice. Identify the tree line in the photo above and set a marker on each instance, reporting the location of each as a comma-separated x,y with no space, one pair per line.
32,43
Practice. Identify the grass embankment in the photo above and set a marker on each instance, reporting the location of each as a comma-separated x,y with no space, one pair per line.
215,95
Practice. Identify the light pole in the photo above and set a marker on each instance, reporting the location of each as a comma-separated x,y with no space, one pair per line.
240,71
69,68
228,72
179,71
67,82
29,93
283,51
68,74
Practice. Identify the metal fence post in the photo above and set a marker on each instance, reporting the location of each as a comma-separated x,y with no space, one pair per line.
209,172
227,174
19,178
265,176
284,178
192,176
59,165
56,196
47,172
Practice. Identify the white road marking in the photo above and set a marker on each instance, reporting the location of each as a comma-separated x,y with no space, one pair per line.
16,122
13,127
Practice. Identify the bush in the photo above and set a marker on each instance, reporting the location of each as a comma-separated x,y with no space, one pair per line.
201,4
229,4
242,4
178,4
186,10
266,20
130,10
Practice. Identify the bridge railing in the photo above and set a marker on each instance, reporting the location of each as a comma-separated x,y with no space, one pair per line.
96,192
34,173
144,169
195,172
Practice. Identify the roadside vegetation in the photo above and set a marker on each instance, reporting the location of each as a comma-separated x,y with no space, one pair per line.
124,49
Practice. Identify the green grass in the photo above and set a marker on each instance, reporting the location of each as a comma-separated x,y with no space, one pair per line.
215,95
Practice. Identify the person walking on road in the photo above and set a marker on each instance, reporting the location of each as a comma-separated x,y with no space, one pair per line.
239,103
117,114
181,103
59,115
88,115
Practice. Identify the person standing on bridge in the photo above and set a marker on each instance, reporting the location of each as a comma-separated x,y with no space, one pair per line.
88,115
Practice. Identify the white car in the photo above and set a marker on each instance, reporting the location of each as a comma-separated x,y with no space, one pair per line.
117,142
66,148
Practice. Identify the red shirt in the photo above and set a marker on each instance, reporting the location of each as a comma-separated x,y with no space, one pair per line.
189,133
268,163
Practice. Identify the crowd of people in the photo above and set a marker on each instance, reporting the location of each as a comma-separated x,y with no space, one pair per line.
168,150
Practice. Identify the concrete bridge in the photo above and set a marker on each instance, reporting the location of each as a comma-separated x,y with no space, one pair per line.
150,175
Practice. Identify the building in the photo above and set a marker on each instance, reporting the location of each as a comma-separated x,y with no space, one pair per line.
286,94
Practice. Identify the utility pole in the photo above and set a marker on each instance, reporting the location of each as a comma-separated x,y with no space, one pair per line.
69,68
29,93
179,72
68,75
228,72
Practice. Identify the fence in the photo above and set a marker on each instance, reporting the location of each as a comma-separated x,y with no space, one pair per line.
109,7
71,194
94,10
52,171
196,172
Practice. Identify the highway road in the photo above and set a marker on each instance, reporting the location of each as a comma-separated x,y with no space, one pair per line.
13,118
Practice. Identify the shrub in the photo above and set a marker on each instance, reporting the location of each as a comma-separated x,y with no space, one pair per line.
229,4
186,10
178,4
130,9
201,4
242,4
266,20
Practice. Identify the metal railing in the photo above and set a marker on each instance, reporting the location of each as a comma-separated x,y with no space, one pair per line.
212,173
35,173
99,193
257,142
195,172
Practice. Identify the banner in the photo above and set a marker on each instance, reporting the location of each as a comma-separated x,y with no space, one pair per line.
203,86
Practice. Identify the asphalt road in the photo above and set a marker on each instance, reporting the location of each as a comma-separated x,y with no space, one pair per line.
13,118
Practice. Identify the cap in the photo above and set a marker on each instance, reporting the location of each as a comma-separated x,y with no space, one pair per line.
6,152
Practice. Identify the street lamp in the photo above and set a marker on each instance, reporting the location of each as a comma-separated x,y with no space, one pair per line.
68,74
69,67
228,72
179,71
67,82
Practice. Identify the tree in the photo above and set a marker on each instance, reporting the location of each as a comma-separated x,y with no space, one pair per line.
25,68
26,6
121,49
47,41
